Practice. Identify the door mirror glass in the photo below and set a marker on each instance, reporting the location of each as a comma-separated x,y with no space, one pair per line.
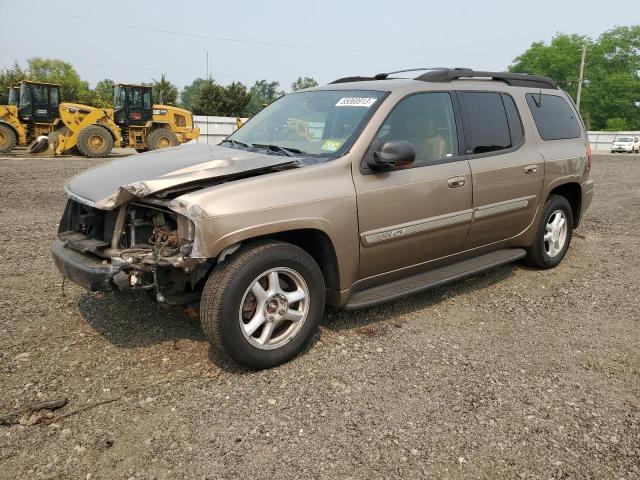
393,153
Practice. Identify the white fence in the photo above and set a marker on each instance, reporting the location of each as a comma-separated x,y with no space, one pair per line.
601,141
213,130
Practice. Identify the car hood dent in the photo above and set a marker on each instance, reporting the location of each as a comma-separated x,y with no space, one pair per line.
112,184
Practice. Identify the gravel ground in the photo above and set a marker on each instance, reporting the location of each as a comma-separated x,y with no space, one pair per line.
514,374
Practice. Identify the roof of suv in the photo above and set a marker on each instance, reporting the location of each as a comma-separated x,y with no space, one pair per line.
382,81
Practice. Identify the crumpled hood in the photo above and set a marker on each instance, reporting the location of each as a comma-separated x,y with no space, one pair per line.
114,183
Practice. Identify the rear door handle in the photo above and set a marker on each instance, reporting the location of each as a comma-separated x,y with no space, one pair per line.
455,182
531,169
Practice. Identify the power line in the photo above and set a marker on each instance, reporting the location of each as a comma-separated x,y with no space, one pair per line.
253,42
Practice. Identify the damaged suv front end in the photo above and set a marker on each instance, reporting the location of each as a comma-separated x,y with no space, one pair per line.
140,246
122,231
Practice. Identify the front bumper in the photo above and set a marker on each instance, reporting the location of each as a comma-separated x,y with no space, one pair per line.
83,269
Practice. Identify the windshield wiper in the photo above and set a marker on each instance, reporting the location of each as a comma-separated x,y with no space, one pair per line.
235,143
288,152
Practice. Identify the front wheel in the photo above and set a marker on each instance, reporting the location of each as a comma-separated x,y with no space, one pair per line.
8,139
554,234
95,141
262,306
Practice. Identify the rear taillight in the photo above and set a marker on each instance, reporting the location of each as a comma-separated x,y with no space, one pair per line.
588,157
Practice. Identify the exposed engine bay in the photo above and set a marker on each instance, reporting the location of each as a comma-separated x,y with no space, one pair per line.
147,247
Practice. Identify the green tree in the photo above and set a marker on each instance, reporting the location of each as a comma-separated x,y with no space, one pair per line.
611,86
262,93
616,124
207,99
300,83
214,99
236,100
8,78
168,90
103,94
190,92
57,71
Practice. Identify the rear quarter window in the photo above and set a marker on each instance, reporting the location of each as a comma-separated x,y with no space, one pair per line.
554,117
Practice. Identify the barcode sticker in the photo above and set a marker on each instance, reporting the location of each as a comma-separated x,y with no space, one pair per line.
355,102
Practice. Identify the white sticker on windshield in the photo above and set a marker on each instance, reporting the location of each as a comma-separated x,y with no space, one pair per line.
355,102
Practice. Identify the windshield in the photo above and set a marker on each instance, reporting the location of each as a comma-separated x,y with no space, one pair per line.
625,139
321,123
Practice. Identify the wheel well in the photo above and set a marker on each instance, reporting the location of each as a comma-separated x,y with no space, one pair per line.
317,244
573,193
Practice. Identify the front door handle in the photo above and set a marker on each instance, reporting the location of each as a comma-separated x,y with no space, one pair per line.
531,169
455,182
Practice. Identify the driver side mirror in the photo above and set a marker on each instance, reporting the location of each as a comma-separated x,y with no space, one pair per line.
391,154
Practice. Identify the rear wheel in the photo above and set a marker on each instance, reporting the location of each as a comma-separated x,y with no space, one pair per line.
554,234
161,138
262,306
8,139
95,141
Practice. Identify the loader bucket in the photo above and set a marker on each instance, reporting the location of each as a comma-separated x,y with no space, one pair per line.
41,146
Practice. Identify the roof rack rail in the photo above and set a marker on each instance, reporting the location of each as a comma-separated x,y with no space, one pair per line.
513,79
351,79
382,76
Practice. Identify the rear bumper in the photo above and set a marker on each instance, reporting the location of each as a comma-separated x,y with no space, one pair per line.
587,196
83,269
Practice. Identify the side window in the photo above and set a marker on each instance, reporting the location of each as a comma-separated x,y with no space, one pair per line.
147,99
513,117
488,123
426,121
554,117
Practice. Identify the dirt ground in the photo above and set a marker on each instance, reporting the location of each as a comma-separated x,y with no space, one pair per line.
517,373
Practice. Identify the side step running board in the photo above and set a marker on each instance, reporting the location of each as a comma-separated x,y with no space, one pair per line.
432,279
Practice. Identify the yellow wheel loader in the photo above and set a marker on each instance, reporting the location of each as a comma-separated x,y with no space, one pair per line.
149,127
32,112
133,122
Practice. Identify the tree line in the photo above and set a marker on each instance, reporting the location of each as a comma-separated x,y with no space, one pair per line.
202,96
610,97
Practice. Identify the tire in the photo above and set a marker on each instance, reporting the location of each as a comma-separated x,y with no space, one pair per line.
8,138
228,304
548,254
161,138
95,141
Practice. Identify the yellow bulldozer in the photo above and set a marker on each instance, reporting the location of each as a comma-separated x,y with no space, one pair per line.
56,127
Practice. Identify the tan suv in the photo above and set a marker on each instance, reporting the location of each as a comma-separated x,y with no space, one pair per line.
352,194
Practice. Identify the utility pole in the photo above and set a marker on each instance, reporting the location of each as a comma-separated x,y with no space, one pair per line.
207,80
584,52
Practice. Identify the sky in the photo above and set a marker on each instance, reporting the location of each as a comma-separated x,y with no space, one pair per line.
136,41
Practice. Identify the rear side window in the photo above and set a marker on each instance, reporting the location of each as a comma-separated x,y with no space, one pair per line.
554,117
488,124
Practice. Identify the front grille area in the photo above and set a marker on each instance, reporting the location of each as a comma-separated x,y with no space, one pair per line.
90,222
